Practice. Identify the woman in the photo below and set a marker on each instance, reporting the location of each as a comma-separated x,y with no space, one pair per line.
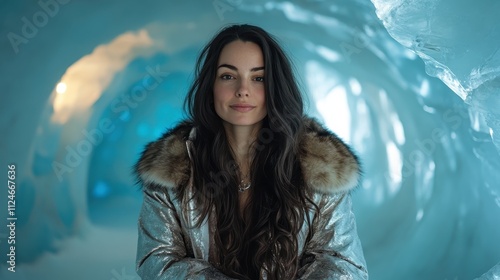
248,187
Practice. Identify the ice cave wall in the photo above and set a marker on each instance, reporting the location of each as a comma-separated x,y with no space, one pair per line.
75,115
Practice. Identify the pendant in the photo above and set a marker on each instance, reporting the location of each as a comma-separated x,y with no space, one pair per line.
244,187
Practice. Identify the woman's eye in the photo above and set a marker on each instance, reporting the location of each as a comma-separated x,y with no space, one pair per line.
226,77
259,79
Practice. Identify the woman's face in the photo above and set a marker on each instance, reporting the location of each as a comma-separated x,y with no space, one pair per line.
239,95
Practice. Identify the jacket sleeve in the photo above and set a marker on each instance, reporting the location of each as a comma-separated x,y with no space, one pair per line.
334,251
161,251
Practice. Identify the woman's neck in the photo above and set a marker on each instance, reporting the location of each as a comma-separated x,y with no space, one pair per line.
240,138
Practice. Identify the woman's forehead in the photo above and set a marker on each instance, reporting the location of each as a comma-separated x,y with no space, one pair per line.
239,55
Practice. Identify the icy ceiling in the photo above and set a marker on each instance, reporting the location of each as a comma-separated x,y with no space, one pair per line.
92,82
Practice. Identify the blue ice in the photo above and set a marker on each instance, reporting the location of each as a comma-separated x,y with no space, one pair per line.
413,86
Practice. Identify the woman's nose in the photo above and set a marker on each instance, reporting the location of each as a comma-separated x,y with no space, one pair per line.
242,89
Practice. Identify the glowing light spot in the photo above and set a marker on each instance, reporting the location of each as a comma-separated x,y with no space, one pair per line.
91,75
420,214
328,54
61,88
395,163
399,132
335,110
355,86
424,88
100,190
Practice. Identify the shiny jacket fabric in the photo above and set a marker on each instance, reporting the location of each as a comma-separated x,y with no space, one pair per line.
171,247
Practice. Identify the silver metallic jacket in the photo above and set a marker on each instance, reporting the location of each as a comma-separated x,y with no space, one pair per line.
170,247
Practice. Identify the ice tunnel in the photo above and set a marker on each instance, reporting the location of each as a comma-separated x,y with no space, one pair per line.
413,86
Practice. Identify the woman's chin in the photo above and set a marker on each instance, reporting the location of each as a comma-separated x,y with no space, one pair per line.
243,122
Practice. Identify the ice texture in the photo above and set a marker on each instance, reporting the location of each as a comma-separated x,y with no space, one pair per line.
459,42
75,95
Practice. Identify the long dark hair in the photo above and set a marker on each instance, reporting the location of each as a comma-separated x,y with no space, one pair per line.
266,237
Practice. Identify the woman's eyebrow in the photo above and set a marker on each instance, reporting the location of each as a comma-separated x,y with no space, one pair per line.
257,68
232,67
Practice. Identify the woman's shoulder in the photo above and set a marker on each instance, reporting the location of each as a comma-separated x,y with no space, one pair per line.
165,161
328,164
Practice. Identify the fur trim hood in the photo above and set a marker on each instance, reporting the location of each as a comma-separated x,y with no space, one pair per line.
328,164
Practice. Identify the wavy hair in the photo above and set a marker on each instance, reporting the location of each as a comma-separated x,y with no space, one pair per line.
266,236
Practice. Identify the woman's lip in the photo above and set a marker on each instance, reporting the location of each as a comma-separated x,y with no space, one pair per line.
242,108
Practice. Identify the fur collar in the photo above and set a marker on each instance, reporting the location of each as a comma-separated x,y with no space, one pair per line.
328,164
